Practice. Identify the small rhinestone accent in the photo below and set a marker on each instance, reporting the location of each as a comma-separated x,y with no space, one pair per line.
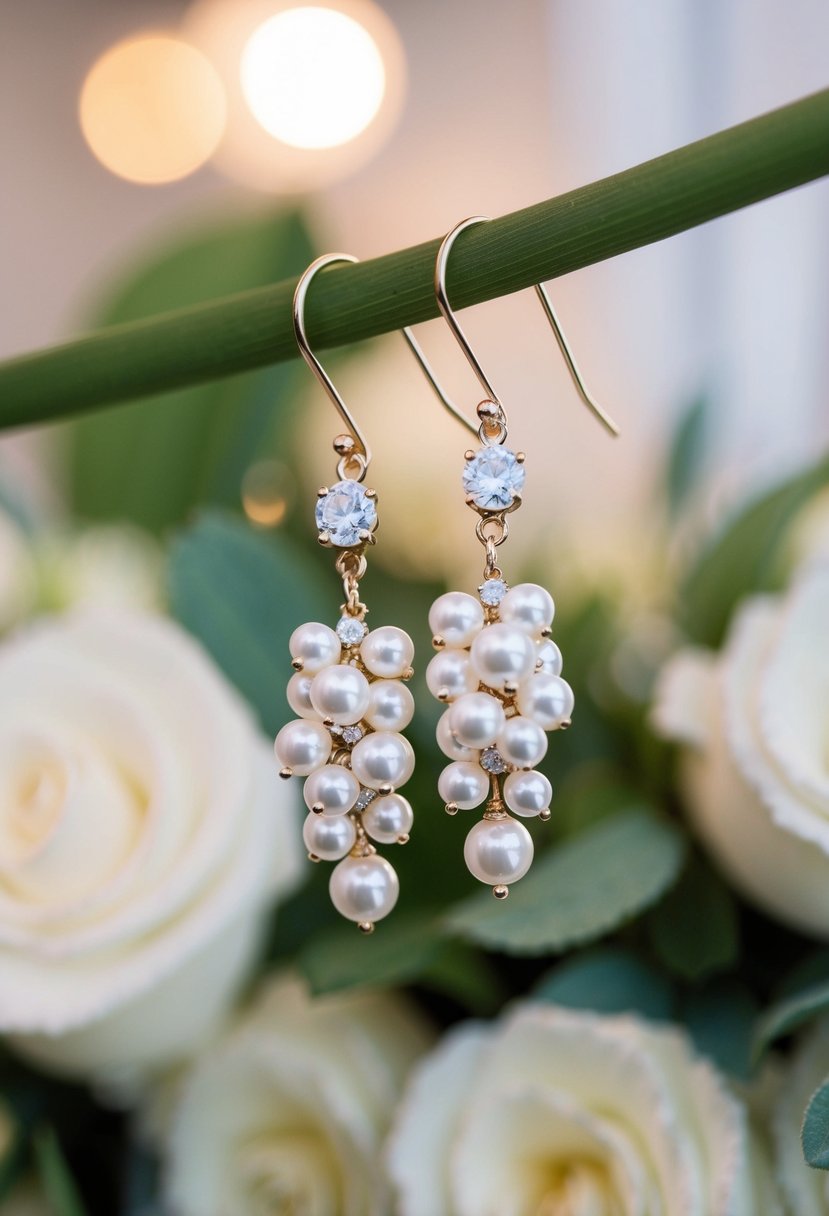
492,592
493,761
350,631
352,734
364,798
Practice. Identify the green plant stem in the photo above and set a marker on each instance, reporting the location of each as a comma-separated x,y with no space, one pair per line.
657,199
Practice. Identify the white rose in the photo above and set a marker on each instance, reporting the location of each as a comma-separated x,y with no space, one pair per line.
142,832
288,1113
755,768
555,1111
805,1190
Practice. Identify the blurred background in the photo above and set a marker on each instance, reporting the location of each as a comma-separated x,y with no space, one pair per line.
134,128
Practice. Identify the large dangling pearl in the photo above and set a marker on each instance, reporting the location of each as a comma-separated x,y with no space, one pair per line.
329,838
302,746
315,646
548,657
501,655
364,889
387,652
456,618
298,694
449,745
463,785
449,675
390,705
476,718
528,607
382,758
340,693
522,742
389,818
498,851
547,699
331,790
527,794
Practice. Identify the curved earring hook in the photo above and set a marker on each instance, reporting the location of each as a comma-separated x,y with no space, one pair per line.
363,451
449,316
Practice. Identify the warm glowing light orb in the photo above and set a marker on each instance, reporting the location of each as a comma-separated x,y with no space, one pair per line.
152,109
313,77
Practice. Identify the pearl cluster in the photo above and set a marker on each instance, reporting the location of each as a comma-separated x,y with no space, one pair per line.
499,673
352,703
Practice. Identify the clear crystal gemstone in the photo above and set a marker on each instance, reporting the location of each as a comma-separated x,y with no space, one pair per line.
352,734
364,798
492,592
493,477
493,761
344,512
350,631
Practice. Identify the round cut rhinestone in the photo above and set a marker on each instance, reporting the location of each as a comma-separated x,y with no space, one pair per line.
344,512
493,477
493,761
352,734
492,592
350,631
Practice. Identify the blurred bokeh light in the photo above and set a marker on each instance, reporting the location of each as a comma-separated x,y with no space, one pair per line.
313,77
152,109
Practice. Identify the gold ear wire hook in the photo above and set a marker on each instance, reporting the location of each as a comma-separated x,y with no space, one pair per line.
451,319
363,451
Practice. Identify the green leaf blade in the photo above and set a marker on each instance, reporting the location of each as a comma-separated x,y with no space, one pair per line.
814,1135
55,1177
586,887
608,981
695,929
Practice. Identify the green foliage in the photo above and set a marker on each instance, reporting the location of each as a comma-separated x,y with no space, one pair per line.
695,930
55,1178
744,558
686,455
804,995
242,595
609,980
814,1134
579,891
719,1019
403,950
154,460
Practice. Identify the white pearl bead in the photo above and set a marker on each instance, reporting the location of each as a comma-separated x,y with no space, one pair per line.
364,888
502,654
456,617
340,693
450,672
390,705
329,838
475,719
498,851
384,758
298,694
527,793
388,818
387,652
449,745
548,655
547,700
465,784
522,742
302,746
529,607
333,788
317,645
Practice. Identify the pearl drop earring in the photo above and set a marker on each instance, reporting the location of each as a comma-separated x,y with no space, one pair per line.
496,669
349,691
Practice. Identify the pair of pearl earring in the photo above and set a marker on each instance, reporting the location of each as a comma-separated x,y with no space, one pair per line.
496,670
